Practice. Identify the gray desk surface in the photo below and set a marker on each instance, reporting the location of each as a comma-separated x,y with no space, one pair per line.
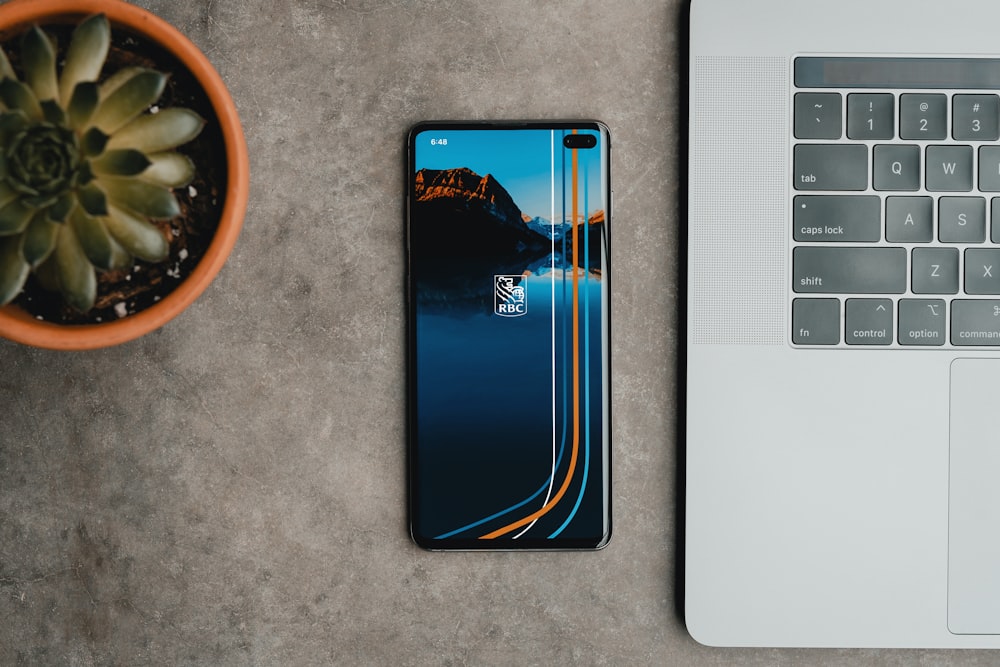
231,489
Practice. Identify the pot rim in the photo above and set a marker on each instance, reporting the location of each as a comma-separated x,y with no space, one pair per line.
20,326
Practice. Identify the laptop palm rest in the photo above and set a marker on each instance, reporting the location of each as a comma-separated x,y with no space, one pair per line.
974,498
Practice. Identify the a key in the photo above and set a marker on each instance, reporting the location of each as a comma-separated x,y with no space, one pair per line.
909,219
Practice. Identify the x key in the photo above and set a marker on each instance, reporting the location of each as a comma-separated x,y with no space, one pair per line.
982,271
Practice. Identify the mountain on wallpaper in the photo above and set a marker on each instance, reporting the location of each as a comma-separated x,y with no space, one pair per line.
467,229
458,207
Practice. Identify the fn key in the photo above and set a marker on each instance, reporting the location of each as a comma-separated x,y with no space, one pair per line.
816,321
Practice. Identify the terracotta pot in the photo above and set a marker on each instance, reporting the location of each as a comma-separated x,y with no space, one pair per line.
16,324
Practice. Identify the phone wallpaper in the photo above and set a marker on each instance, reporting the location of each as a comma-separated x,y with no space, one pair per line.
508,253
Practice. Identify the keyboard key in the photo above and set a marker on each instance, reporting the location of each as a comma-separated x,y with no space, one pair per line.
962,220
935,271
975,117
949,168
818,116
909,219
897,167
870,116
975,322
838,218
816,321
923,116
921,322
831,167
868,322
849,270
982,271
989,168
995,219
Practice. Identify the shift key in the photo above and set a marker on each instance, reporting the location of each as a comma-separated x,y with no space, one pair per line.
849,270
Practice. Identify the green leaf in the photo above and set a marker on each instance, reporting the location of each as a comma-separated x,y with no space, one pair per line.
153,133
14,217
93,142
77,279
62,208
93,238
122,162
39,201
47,274
39,239
171,170
136,235
17,96
120,257
85,57
84,174
53,112
12,123
38,57
93,200
13,269
7,194
82,103
140,197
131,99
6,71
116,80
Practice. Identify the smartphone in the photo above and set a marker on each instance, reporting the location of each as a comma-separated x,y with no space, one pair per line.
508,228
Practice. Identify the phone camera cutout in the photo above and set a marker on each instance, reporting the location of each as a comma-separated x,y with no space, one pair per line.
579,141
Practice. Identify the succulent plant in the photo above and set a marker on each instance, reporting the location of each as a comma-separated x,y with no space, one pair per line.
84,165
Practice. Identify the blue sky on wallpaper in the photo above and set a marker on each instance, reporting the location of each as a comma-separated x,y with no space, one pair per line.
521,160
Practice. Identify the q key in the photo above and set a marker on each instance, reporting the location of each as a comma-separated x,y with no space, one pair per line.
897,168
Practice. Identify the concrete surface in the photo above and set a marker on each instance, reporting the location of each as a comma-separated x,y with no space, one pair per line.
231,489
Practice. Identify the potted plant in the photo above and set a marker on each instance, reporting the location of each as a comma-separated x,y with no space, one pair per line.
124,172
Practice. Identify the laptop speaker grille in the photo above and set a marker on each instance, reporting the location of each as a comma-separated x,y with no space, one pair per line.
737,203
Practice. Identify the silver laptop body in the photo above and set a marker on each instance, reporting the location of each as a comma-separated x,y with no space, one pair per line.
843,324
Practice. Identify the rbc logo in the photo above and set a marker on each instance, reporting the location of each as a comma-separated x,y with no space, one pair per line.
509,298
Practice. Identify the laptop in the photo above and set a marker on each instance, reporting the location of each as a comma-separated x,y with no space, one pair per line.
843,324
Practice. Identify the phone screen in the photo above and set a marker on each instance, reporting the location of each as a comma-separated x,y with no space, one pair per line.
509,422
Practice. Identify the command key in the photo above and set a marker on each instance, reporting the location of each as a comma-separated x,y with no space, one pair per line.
975,322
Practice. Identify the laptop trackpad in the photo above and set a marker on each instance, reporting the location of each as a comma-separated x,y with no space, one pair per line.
974,498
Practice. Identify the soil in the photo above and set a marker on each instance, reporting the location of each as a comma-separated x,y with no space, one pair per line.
128,291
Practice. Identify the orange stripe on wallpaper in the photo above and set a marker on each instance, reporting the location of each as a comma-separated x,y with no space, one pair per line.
500,532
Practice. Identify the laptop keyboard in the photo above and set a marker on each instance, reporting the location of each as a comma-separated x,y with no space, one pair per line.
896,203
